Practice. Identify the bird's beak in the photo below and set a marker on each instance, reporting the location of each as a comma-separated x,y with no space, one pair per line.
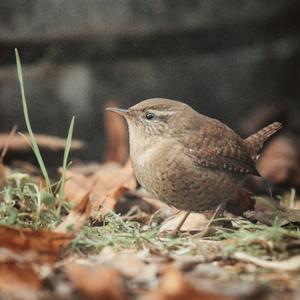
122,112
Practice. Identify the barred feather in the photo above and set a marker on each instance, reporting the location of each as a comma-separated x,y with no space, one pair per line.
255,141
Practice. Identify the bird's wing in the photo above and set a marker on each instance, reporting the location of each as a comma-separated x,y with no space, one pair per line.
217,146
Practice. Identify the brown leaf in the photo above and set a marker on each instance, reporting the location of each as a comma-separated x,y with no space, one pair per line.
291,264
37,245
116,136
141,202
54,143
108,184
267,211
155,203
7,142
21,279
240,202
194,222
77,217
113,198
97,282
76,186
5,147
173,286
137,265
2,174
280,161
25,167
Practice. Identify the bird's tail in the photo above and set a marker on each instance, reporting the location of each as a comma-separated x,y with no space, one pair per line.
255,141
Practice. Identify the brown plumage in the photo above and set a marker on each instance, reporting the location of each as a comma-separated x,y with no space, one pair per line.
187,159
256,141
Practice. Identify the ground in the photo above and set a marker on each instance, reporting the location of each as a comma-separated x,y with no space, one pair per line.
89,232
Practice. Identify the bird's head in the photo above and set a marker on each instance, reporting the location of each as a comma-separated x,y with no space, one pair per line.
157,118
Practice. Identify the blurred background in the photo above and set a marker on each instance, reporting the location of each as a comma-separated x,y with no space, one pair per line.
238,61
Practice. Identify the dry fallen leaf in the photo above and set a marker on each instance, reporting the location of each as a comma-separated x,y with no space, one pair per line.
280,161
97,282
155,203
54,143
5,147
108,183
268,212
22,253
173,286
113,198
2,174
291,264
116,136
194,222
36,245
240,202
139,265
77,217
18,277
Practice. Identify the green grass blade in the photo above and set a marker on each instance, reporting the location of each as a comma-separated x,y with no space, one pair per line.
65,164
35,147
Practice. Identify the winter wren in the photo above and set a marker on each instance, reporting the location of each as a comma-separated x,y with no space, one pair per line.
186,159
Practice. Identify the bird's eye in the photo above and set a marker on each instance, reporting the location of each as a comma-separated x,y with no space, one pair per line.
149,116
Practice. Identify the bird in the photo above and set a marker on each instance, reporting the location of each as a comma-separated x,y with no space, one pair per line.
186,159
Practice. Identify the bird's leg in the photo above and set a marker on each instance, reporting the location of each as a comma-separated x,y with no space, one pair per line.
218,212
178,227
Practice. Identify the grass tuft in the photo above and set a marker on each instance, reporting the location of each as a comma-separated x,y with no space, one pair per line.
33,142
254,239
25,204
120,235
257,239
65,167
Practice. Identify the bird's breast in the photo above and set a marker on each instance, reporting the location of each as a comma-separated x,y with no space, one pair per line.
145,157
149,163
171,176
144,161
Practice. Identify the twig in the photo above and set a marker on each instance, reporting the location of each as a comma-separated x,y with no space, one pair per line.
291,264
7,142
